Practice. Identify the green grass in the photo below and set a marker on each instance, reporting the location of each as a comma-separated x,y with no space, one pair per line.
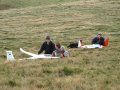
7,4
25,24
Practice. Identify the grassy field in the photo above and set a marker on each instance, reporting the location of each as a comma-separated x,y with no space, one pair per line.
7,4
23,23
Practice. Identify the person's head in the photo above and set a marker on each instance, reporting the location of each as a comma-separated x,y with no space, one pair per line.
58,45
99,35
47,39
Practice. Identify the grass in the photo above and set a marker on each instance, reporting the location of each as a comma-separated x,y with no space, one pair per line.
25,24
7,4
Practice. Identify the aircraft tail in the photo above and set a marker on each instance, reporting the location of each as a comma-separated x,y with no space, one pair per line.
10,56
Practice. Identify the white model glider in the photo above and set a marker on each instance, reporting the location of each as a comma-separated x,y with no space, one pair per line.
36,56
89,46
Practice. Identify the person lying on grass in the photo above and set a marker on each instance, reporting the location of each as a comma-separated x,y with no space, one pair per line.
99,40
60,51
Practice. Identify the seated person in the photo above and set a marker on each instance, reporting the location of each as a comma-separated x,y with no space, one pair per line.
60,51
98,39
48,46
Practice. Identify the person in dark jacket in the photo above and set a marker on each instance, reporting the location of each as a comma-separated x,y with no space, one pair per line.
48,46
98,39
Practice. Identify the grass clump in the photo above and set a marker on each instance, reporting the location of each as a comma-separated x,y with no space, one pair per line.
67,71
12,83
70,71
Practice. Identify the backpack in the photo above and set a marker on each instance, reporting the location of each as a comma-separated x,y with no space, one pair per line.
106,41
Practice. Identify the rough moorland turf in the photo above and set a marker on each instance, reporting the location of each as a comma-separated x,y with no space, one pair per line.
24,25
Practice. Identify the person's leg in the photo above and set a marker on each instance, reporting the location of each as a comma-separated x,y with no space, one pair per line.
54,54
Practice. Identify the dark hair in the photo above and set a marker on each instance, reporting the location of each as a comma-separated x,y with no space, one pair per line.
47,37
58,45
99,34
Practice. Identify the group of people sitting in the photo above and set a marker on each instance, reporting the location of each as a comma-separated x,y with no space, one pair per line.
57,50
98,40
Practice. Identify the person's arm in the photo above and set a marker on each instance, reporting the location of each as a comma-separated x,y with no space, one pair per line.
63,51
53,46
94,40
102,41
41,49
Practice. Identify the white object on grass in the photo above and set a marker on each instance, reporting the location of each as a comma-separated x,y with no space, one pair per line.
92,46
79,44
10,56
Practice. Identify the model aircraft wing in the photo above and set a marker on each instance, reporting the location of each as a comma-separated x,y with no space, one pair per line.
28,53
35,56
43,57
92,46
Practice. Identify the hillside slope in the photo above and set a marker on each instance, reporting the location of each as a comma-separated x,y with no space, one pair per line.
85,69
7,4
